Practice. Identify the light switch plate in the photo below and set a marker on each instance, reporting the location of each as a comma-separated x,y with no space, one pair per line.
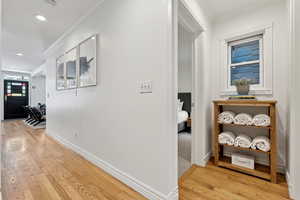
146,87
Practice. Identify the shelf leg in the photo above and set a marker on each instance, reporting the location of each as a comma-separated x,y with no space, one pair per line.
216,134
273,155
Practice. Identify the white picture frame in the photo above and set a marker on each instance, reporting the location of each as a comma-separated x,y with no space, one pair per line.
87,73
71,61
60,73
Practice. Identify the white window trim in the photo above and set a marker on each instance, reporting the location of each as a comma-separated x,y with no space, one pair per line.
260,61
266,70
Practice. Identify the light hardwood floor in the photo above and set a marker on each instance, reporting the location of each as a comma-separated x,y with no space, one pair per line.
212,183
35,167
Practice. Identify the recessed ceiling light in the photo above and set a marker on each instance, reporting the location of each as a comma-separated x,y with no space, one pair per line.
41,18
19,54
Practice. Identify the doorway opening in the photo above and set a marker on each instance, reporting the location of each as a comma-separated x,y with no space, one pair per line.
24,97
184,118
189,32
15,98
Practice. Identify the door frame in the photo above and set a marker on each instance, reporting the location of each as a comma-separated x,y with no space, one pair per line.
190,23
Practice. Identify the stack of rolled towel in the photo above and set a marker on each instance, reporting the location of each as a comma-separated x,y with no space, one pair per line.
260,142
243,141
261,120
227,138
228,117
243,119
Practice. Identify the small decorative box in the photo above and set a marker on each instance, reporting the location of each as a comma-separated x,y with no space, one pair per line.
242,160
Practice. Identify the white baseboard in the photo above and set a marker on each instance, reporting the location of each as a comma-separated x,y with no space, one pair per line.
206,159
173,195
290,185
132,182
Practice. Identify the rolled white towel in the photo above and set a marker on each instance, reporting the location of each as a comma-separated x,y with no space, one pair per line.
243,141
262,143
243,119
226,117
226,138
262,120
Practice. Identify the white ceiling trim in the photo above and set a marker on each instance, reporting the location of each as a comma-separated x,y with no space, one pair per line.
15,71
59,41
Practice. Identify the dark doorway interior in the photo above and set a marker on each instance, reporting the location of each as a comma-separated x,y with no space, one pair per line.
15,98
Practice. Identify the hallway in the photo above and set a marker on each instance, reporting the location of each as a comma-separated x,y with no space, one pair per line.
35,167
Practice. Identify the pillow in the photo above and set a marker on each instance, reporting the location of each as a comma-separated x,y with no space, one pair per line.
179,105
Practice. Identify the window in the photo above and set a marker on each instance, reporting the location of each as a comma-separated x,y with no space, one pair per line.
247,54
245,59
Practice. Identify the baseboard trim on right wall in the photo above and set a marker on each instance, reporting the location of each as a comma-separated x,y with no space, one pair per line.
290,185
206,158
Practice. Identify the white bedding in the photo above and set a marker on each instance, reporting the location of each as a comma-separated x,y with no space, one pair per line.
182,116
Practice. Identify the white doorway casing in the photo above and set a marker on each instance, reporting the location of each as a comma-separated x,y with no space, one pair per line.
189,22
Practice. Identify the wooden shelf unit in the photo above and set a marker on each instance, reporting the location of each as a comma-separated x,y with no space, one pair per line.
265,172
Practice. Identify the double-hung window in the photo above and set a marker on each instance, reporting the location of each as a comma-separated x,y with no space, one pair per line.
245,60
247,54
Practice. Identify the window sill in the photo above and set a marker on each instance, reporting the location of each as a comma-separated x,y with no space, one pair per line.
259,92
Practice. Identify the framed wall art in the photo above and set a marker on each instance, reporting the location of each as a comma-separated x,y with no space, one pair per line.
88,62
78,66
71,68
60,73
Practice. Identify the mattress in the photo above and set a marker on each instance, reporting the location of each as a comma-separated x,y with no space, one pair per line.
182,116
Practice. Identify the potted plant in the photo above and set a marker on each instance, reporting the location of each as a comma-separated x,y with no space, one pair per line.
242,86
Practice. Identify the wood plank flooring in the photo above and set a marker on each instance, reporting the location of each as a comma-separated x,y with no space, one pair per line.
35,167
215,183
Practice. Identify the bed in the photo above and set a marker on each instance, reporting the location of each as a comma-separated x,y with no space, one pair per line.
184,113
182,118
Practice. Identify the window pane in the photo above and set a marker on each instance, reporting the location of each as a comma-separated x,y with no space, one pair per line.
248,51
250,71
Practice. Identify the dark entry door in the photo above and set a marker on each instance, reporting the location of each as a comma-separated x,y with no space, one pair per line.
15,97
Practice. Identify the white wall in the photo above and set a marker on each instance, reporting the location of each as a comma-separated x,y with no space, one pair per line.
113,122
38,90
293,173
15,75
185,59
41,70
38,85
278,15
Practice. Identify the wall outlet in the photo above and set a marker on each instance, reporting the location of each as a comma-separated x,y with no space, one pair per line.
146,87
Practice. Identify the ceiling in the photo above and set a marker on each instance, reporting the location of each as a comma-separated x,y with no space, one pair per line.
217,9
23,33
